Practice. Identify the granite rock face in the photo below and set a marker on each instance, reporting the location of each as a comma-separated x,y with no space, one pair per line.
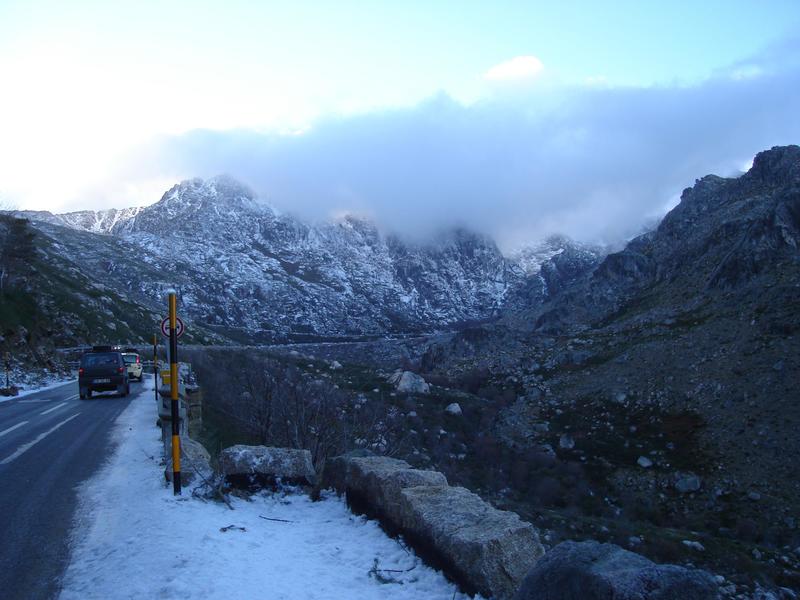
595,571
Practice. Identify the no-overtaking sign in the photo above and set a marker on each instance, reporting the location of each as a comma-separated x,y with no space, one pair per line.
179,328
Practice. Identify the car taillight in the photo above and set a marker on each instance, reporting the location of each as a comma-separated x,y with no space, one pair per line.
80,371
121,370
137,360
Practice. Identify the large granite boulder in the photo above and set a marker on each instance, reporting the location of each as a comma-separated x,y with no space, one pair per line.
264,463
594,571
407,382
195,461
488,550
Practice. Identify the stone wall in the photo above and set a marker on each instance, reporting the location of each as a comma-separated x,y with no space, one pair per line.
483,549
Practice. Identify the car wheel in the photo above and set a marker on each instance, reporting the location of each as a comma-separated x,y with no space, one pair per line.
127,389
89,394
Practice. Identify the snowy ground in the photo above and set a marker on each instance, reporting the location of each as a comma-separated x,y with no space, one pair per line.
135,540
54,381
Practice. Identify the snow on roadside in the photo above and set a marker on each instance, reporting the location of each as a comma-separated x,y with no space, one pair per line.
134,539
55,382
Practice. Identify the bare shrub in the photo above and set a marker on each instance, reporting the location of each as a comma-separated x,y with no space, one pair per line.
280,405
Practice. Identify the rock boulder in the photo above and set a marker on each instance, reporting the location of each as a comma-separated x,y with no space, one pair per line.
409,383
287,464
594,571
686,483
454,409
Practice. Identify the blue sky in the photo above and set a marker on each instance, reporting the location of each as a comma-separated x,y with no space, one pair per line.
89,85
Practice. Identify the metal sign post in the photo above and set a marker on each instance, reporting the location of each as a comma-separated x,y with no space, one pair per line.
173,384
155,365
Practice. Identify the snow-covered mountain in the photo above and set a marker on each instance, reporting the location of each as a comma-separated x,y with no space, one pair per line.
254,274
96,221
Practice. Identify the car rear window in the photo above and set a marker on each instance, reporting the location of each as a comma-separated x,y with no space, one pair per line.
129,358
98,359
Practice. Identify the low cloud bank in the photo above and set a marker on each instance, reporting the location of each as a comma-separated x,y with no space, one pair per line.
593,162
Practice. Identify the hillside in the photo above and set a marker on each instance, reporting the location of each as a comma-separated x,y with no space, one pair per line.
50,300
667,374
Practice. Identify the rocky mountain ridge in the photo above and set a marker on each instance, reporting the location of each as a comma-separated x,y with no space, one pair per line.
94,221
253,274
724,235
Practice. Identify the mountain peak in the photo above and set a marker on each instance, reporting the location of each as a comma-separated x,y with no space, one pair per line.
779,165
218,190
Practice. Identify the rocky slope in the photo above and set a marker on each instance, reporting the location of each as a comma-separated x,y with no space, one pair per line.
47,301
252,274
668,373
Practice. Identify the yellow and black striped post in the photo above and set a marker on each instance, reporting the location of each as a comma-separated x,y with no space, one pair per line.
173,385
155,365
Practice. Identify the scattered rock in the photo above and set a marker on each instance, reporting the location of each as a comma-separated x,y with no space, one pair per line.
594,571
566,442
336,365
540,427
753,495
694,545
453,409
687,482
644,462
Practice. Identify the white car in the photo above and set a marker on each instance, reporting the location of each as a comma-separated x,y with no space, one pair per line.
134,364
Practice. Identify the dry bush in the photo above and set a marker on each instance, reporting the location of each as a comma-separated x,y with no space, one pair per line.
280,405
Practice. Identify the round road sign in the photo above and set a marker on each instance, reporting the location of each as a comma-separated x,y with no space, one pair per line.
179,328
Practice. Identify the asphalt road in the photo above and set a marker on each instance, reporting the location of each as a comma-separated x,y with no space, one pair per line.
50,442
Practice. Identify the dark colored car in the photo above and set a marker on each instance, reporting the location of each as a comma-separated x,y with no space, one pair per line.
103,371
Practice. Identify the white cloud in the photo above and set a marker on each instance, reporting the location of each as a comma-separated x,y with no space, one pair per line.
519,67
591,161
